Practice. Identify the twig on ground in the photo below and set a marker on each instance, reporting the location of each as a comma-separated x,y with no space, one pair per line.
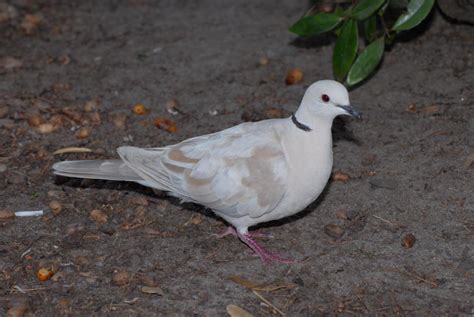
266,301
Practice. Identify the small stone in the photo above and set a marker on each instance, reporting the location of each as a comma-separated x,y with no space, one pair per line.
83,133
408,241
333,230
91,105
56,207
98,216
3,167
44,274
119,120
294,76
45,128
172,106
140,109
120,278
262,61
34,120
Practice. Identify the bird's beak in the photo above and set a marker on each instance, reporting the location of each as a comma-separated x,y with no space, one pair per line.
351,111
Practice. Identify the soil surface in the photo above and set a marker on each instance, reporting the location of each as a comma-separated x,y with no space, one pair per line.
67,65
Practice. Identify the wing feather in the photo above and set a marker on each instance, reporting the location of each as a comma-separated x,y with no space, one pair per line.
236,172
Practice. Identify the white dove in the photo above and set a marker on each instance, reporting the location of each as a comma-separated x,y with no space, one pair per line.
247,174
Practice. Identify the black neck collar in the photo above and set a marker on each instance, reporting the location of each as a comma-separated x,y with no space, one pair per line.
300,125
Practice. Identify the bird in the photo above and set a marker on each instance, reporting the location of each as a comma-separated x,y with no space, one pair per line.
247,174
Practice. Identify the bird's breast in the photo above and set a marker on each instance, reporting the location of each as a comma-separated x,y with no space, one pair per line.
310,169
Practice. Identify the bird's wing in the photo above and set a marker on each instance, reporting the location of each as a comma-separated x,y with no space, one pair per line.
236,172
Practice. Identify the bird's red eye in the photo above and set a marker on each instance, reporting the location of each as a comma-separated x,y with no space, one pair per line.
325,98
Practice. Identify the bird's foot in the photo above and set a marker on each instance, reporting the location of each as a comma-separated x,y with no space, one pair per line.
265,255
231,231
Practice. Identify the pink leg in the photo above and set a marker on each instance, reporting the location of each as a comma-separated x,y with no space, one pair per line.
231,231
265,255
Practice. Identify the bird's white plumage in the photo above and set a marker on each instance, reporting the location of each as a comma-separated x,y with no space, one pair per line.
229,171
247,174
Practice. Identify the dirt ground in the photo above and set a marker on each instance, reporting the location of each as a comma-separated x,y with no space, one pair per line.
86,63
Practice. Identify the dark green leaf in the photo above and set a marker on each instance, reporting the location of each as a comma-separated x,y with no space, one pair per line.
315,24
366,62
370,28
346,49
417,11
366,8
384,7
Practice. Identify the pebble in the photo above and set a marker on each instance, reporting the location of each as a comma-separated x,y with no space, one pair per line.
55,207
408,241
333,230
120,278
3,167
98,216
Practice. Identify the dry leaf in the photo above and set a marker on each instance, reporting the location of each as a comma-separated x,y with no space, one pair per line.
243,282
333,230
236,311
6,215
98,216
152,290
431,109
72,149
341,177
165,124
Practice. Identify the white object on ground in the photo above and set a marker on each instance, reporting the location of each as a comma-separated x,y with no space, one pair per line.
34,213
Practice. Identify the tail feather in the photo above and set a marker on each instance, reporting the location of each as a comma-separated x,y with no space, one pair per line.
97,169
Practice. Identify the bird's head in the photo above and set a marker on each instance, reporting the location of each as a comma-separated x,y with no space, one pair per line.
326,99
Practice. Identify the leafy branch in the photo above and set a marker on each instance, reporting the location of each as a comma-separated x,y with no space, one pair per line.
369,19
